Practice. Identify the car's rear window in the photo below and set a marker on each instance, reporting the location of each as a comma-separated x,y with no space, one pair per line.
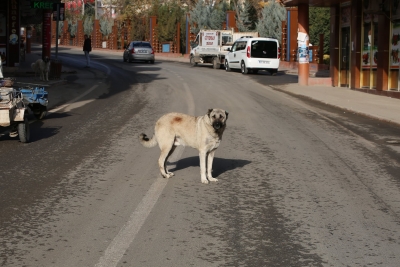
264,49
141,45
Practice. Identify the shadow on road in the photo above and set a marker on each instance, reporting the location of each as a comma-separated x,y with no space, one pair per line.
220,165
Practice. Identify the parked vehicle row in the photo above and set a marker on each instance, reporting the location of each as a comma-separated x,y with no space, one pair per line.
211,46
225,48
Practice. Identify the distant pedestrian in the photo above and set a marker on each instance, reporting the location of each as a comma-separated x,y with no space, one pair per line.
87,48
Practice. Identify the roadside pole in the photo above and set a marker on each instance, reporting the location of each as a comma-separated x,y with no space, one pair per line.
57,22
56,64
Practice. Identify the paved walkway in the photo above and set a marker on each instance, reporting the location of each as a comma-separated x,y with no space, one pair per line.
381,107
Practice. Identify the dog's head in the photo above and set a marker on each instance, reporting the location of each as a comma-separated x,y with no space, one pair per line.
218,118
46,59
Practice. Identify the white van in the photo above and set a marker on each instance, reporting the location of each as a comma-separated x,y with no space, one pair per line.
253,54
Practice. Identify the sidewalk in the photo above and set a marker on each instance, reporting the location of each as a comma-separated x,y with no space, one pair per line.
381,107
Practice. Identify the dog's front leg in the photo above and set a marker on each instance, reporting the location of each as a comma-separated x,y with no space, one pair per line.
203,155
210,159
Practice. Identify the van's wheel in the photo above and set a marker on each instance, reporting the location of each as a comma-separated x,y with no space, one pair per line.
23,131
243,68
216,64
192,61
273,72
227,68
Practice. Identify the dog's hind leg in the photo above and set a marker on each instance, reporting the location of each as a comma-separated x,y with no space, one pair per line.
166,151
210,160
166,159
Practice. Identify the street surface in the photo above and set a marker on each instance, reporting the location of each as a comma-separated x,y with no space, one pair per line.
300,183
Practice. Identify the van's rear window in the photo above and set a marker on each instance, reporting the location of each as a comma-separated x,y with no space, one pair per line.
264,49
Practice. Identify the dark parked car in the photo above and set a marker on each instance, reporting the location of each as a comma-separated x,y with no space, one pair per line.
138,50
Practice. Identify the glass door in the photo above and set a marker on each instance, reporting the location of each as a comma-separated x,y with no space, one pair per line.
345,57
369,53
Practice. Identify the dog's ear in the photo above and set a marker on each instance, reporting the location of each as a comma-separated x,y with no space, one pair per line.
209,111
226,114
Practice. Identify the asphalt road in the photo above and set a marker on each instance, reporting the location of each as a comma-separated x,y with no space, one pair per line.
300,183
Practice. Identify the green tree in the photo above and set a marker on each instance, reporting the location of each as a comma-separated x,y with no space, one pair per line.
246,17
72,28
207,16
168,16
319,21
106,26
218,15
270,23
88,25
199,16
253,17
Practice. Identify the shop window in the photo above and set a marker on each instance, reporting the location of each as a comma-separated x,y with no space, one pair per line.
394,77
369,56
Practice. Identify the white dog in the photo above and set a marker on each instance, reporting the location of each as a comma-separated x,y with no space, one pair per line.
42,67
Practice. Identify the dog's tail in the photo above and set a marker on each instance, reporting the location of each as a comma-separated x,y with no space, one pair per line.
146,142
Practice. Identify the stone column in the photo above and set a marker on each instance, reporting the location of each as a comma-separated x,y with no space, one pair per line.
178,37
231,20
304,66
153,33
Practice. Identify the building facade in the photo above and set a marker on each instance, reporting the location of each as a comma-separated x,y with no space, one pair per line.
364,42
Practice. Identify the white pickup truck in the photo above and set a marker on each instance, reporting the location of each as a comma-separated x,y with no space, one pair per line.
210,46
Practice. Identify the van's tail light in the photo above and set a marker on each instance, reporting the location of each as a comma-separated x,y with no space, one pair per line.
248,51
152,51
133,51
279,53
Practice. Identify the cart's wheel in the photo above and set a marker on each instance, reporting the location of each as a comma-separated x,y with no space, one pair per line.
23,131
41,114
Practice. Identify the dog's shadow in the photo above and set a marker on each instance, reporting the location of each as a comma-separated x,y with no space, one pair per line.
220,165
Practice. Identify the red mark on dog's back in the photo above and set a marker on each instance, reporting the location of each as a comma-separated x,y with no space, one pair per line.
177,120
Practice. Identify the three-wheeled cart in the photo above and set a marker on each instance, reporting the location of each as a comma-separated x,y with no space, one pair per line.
13,113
